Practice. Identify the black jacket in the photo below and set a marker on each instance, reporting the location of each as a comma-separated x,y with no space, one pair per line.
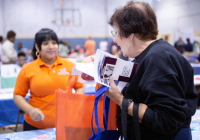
164,82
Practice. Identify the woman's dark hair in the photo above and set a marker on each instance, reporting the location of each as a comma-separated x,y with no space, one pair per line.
21,54
138,18
43,35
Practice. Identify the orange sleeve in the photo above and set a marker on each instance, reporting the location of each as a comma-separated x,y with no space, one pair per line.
21,84
77,84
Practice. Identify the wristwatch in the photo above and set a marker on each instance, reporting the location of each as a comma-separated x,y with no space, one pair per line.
129,102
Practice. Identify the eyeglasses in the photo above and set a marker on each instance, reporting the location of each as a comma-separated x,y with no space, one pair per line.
114,32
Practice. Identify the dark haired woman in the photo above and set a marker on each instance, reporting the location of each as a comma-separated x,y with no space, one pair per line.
43,76
160,98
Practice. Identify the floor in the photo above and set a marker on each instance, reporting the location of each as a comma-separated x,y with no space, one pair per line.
10,129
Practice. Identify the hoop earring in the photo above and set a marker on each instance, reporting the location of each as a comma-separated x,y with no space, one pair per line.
58,51
37,53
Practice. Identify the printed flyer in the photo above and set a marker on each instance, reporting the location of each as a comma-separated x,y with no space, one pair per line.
106,65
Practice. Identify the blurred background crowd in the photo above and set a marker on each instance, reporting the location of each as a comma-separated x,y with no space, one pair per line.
82,28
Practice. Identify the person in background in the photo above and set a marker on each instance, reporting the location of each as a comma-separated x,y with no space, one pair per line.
196,47
1,42
77,49
179,45
63,49
166,38
115,51
113,44
1,39
161,97
8,54
21,61
21,48
29,57
188,49
66,43
43,76
89,46
197,51
72,54
79,53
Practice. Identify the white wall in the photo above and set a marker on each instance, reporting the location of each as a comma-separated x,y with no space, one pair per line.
92,18
174,14
1,18
26,17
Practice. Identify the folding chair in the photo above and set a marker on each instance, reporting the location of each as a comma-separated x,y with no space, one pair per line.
20,112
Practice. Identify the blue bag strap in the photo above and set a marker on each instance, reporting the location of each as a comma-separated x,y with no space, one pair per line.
92,122
106,104
94,135
98,94
96,113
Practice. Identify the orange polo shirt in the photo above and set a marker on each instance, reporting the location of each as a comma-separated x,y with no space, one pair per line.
42,82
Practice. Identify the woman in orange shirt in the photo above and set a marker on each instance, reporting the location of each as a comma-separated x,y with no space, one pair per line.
43,76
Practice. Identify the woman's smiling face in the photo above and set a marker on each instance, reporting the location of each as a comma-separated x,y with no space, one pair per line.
49,49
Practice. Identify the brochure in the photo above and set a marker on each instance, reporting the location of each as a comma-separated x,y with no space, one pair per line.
106,65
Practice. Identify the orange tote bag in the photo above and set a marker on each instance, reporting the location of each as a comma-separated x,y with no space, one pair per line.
74,111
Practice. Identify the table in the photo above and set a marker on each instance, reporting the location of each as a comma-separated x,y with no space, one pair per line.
197,82
195,125
89,87
7,82
8,75
192,58
8,110
30,135
196,68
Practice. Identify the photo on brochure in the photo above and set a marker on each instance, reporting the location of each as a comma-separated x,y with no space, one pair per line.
126,71
101,74
108,71
102,66
111,62
106,65
101,69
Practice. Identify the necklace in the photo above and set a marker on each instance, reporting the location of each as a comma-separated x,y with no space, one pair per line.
53,70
